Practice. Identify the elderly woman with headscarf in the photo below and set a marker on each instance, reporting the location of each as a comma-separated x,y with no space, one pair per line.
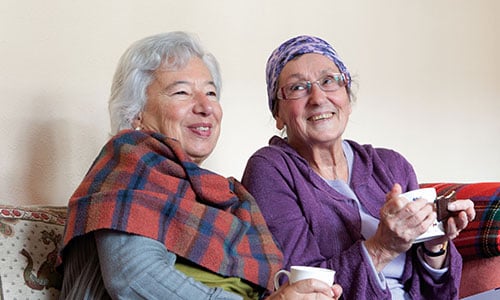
334,203
148,222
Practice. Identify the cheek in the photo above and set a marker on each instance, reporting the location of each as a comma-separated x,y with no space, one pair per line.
218,113
292,111
287,110
344,101
348,107
171,117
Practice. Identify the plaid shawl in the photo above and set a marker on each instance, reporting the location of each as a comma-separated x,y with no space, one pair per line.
143,183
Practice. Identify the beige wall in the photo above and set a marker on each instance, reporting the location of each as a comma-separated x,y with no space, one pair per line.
428,74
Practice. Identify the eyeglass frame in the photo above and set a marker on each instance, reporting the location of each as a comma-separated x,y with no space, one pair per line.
342,75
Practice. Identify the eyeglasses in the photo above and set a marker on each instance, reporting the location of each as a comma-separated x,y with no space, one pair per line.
328,83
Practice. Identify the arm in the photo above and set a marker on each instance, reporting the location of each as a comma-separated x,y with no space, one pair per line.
275,193
136,267
420,279
297,221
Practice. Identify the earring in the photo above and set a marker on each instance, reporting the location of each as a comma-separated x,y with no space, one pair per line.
283,131
138,128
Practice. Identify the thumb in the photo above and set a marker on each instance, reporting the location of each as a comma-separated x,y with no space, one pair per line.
395,191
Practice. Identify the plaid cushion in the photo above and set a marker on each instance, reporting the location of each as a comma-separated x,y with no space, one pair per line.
481,237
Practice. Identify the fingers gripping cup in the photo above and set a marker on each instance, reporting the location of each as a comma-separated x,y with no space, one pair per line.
437,228
298,273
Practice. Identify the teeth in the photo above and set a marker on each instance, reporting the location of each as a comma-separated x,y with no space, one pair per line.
202,128
321,117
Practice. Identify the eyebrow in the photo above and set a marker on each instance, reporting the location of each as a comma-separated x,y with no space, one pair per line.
179,82
301,76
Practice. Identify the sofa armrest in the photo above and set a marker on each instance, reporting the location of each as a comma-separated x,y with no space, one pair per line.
30,238
481,238
480,275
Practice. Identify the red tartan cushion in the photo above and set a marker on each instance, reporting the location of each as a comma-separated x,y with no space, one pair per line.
481,238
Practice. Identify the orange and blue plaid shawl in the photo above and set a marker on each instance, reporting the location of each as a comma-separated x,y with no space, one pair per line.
143,183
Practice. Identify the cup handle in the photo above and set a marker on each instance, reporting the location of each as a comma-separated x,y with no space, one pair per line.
277,278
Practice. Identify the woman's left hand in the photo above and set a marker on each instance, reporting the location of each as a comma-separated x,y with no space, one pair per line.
462,212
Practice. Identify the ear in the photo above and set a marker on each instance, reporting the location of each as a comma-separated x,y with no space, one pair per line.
279,123
137,121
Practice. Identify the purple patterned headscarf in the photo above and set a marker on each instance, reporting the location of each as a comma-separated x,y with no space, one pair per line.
292,48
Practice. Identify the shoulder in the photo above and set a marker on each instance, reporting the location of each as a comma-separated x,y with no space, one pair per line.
278,154
277,161
370,153
388,165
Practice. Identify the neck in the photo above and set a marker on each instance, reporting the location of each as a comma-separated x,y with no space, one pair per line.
328,162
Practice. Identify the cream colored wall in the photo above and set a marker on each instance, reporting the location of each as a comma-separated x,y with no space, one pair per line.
428,74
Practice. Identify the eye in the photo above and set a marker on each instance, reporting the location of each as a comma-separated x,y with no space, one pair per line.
212,94
332,82
329,80
181,94
298,86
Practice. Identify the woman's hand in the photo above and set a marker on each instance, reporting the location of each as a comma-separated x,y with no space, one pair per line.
307,289
462,212
401,222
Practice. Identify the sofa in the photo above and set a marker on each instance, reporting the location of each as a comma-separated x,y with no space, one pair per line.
31,235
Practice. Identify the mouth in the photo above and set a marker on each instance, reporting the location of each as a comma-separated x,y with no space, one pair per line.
204,129
320,117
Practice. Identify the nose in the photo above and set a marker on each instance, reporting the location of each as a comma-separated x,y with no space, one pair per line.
316,94
203,104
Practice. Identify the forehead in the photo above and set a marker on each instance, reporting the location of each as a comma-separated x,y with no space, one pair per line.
311,64
195,69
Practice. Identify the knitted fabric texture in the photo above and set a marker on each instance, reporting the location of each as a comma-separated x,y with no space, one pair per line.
143,183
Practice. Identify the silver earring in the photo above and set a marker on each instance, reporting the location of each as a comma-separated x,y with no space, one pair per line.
283,131
138,128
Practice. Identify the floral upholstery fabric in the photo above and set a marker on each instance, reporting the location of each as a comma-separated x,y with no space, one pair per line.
29,240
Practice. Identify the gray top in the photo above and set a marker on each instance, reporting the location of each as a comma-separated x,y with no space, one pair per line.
125,266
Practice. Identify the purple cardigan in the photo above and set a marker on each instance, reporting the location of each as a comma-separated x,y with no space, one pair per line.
317,226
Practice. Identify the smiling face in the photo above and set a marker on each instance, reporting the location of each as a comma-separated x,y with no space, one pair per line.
183,104
320,118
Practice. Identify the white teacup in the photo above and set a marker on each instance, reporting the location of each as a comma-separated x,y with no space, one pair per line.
297,273
426,193
437,228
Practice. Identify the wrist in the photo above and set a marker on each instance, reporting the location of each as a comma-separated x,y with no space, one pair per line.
379,255
435,251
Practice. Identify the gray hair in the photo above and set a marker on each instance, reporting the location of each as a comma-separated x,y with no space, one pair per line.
135,72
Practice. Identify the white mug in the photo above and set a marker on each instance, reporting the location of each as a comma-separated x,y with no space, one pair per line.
428,194
297,273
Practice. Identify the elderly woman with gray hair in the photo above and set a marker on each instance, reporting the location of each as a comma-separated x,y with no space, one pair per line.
334,203
148,222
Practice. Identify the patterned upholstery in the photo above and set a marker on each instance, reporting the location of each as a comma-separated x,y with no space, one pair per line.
30,236
29,240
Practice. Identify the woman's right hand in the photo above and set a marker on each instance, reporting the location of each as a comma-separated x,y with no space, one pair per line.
307,289
401,222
